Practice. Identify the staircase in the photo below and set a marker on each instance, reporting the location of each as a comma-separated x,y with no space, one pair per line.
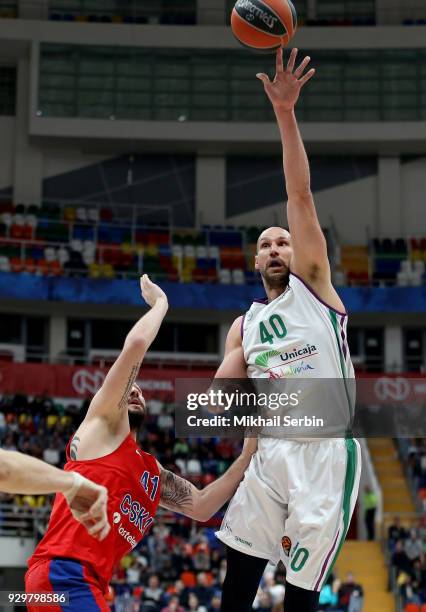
366,562
365,559
396,494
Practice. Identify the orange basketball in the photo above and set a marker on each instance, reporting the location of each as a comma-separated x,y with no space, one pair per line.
264,24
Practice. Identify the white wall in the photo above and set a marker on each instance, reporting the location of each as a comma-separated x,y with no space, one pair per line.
352,207
413,183
59,161
14,552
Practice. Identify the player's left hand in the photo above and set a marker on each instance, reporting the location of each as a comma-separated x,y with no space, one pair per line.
88,504
284,90
151,292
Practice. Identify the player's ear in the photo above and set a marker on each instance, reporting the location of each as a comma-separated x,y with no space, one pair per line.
256,264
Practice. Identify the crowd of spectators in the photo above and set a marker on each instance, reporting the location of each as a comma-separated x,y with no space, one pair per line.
414,451
407,548
180,565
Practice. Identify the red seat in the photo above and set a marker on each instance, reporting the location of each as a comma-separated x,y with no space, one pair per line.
17,231
30,266
28,232
412,607
16,264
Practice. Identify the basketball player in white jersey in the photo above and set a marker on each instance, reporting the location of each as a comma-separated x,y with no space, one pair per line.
297,497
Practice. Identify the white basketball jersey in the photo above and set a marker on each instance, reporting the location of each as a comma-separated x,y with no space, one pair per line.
297,336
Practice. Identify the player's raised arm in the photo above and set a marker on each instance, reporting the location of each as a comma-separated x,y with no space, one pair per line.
180,495
233,364
110,401
309,258
27,475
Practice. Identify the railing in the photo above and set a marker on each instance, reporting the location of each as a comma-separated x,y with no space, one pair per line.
22,521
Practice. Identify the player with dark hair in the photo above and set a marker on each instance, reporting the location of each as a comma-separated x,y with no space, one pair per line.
298,495
104,448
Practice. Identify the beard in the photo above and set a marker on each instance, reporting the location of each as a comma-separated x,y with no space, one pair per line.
136,420
276,281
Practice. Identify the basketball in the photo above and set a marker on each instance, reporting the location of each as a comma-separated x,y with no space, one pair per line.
264,25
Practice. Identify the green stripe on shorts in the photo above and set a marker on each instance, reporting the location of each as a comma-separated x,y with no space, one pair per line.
351,466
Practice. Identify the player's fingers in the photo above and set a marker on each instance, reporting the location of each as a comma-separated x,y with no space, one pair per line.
105,531
307,76
291,60
96,527
263,77
279,61
298,73
98,508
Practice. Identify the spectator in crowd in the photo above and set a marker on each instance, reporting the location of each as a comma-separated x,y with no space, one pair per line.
400,558
275,589
396,532
413,546
215,603
173,605
351,595
418,575
194,604
153,595
370,507
203,592
329,596
407,591
263,601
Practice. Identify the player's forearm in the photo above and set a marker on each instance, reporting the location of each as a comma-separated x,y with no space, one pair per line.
295,160
212,498
146,329
23,474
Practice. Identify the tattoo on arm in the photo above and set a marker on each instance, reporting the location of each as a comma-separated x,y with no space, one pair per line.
176,492
133,374
74,447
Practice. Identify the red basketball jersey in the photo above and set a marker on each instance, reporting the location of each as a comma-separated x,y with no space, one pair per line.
132,478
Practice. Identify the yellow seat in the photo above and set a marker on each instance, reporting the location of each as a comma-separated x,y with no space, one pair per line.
94,270
107,271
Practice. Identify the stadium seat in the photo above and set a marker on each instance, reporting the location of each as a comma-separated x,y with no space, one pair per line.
4,264
238,277
224,276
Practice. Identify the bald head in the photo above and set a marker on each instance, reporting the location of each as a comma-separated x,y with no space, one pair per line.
273,233
273,257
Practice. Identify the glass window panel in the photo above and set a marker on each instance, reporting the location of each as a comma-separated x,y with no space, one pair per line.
361,114
400,114
368,87
171,99
96,82
58,80
95,111
133,112
95,97
57,110
400,100
362,100
11,329
172,85
124,79
209,114
132,99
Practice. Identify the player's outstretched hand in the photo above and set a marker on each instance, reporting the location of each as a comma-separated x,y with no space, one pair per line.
88,504
284,90
151,292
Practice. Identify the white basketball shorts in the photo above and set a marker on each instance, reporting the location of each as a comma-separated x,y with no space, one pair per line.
295,504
